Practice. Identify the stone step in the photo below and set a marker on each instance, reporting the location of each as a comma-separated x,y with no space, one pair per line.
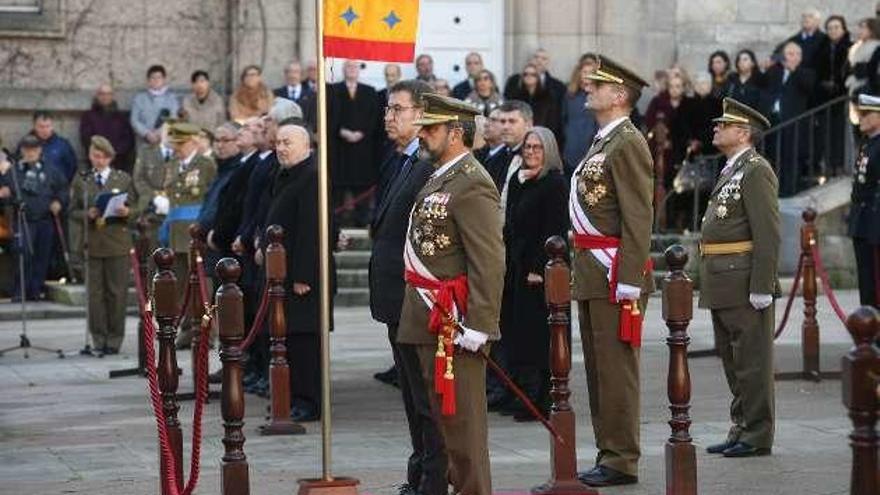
353,277
347,297
352,260
75,294
358,239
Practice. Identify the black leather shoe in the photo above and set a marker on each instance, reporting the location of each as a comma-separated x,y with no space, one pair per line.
110,351
406,489
605,476
388,377
719,448
742,449
304,414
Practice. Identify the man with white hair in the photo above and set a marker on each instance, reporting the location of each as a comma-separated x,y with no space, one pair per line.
294,89
810,38
294,194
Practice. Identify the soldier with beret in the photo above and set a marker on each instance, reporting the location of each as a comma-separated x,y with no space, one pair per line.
610,206
187,178
454,270
739,254
108,242
864,227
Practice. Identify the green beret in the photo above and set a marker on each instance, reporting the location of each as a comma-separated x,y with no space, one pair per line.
735,112
609,71
103,145
181,132
439,109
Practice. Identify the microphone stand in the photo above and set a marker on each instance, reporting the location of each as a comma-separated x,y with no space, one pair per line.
22,238
84,175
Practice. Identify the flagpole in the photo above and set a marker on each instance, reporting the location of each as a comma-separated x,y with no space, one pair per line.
324,226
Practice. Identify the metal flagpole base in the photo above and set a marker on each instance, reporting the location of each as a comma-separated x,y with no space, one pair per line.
280,427
335,486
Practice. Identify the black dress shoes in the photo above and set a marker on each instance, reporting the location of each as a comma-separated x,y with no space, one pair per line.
742,449
719,448
303,413
406,489
605,476
216,377
388,377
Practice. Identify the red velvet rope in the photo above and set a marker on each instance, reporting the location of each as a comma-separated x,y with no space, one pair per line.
791,294
169,477
350,204
826,284
257,325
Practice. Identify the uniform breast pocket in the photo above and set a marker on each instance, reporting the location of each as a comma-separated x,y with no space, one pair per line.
730,263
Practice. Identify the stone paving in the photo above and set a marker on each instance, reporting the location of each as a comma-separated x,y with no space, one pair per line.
66,428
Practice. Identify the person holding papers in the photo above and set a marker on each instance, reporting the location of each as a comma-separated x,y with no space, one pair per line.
103,196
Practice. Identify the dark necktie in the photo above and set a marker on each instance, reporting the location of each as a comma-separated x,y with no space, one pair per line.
402,170
99,180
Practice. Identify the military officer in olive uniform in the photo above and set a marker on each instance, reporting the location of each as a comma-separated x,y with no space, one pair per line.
149,181
454,262
738,282
187,178
864,226
109,241
610,206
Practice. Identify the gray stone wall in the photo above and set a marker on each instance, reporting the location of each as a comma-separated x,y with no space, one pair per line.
115,40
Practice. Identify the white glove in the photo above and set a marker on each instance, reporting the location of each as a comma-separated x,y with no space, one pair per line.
627,292
760,301
470,340
162,205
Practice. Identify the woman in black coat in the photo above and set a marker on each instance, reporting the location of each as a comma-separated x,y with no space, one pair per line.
545,106
536,210
747,81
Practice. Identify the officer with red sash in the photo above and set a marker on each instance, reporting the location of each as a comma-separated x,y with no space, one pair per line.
610,205
454,261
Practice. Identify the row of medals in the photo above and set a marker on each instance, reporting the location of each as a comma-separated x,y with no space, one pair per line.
592,172
425,235
729,191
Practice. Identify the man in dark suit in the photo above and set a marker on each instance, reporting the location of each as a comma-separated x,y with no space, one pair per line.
473,63
404,175
354,116
294,89
788,94
810,38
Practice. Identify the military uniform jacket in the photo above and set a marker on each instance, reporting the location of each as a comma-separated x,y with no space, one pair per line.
614,187
149,176
112,237
187,187
865,207
455,229
744,206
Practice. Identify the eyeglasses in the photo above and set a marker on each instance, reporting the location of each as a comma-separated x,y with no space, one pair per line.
533,147
396,109
530,74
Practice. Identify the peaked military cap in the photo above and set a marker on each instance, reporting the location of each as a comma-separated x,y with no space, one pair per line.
103,145
442,109
183,131
735,112
30,141
868,103
610,71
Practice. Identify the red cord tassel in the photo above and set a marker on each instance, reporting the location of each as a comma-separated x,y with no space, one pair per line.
625,326
439,366
636,315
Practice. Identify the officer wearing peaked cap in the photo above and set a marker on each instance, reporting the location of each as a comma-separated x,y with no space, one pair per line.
739,253
187,178
454,266
863,225
611,212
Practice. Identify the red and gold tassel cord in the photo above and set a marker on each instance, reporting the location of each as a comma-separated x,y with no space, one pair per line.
630,325
448,403
439,365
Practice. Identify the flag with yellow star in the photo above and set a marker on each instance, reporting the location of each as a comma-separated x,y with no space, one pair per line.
371,29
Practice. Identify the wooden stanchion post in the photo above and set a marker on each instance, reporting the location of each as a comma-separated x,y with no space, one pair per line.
196,309
563,458
166,309
810,326
678,309
230,321
279,369
861,365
